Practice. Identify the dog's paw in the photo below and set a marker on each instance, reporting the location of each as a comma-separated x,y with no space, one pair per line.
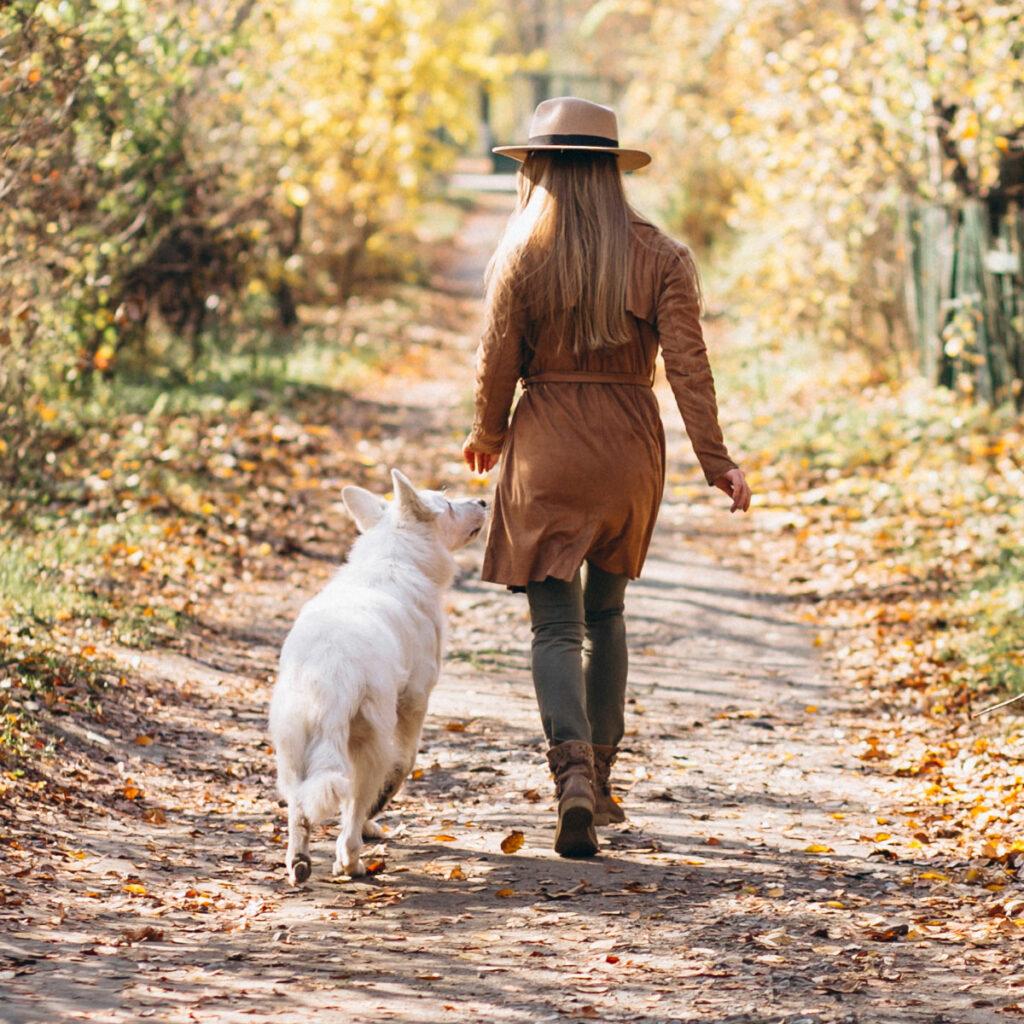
372,830
355,869
300,869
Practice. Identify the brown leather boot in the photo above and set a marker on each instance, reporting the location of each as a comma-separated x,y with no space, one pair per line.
572,764
606,810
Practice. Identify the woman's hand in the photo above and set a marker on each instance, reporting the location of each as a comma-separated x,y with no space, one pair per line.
734,484
478,461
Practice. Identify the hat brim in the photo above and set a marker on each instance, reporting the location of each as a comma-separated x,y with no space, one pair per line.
629,159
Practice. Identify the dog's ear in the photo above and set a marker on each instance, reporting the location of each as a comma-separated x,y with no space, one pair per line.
365,508
410,504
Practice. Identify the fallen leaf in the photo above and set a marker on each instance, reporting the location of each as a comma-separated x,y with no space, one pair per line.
888,933
145,933
512,842
564,894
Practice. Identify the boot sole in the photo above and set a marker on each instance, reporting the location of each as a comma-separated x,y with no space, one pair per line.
575,836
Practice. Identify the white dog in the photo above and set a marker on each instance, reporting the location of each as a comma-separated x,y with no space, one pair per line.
358,666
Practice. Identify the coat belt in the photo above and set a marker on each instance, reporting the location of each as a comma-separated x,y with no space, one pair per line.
588,377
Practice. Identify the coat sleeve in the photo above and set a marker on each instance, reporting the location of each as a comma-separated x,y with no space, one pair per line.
686,362
499,364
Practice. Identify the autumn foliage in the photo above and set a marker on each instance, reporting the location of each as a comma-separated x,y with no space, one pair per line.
858,168
172,170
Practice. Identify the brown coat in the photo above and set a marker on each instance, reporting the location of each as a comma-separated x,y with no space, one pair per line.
582,465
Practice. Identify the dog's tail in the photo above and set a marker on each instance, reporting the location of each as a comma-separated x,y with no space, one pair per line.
313,771
321,794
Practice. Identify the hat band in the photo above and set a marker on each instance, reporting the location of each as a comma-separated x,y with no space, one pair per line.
572,140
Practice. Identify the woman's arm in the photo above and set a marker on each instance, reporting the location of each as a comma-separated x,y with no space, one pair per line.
499,363
689,373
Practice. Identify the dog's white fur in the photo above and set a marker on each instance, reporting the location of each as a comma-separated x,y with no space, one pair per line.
358,666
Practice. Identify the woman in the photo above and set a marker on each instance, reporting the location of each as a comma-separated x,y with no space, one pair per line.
581,291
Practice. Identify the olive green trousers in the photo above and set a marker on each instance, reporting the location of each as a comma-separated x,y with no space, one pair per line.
579,656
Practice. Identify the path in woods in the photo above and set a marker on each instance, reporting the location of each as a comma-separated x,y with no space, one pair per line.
744,888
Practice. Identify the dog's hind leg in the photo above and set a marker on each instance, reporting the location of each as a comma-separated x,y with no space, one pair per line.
392,784
350,842
297,858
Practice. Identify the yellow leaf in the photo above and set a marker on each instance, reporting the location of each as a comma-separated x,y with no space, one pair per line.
134,889
818,848
512,842
936,876
444,838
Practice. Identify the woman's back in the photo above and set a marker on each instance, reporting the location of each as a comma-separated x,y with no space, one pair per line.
581,292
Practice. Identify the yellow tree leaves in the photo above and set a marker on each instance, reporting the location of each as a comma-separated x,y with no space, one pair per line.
359,106
815,121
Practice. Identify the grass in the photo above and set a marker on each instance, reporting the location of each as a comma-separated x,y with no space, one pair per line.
879,493
995,607
33,578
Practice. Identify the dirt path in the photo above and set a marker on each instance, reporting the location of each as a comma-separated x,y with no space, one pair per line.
746,886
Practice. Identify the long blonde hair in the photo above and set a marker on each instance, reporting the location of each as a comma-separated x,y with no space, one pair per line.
564,256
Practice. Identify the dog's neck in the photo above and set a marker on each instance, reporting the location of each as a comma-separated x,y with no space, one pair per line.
383,556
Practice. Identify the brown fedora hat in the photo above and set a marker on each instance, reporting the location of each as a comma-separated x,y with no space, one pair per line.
567,122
